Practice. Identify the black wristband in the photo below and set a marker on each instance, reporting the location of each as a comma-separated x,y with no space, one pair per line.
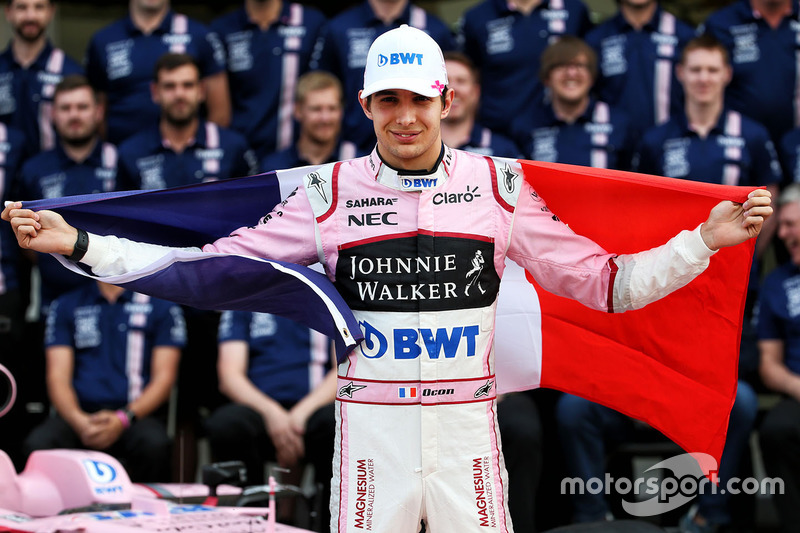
131,416
80,248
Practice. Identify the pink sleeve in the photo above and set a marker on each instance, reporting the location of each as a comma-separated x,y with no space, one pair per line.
561,261
287,233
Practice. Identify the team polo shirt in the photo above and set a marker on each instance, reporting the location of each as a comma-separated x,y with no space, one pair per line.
789,154
286,359
636,68
601,137
263,68
120,61
12,155
737,151
342,49
484,141
113,342
765,82
506,46
289,158
147,162
779,312
26,94
53,174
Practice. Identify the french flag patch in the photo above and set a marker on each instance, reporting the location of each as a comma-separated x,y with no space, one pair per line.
407,392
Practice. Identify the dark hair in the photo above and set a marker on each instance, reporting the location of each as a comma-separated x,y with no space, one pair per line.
465,60
443,96
72,82
9,2
705,42
170,61
563,51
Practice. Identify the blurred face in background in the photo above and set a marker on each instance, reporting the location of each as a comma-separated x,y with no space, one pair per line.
149,5
320,115
77,116
704,75
467,91
571,82
789,229
179,93
29,18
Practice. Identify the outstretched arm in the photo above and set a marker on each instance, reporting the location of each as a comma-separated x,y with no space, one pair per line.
41,231
730,223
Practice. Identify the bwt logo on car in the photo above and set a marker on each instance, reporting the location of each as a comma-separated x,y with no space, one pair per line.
405,58
99,472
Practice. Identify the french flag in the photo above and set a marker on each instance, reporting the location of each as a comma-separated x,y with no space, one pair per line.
406,392
672,364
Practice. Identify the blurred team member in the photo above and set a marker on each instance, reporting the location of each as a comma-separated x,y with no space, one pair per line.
80,163
121,57
181,148
460,128
13,296
708,141
637,51
506,41
277,375
318,109
571,126
345,40
266,40
30,68
112,357
779,346
762,37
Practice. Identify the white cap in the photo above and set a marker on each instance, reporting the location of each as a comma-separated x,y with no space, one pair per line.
405,58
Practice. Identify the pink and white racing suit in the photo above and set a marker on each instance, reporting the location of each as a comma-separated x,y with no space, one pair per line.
417,435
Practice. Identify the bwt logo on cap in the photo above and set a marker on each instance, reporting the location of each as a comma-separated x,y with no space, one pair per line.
397,58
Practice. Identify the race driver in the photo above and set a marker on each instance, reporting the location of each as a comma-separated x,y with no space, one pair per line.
397,231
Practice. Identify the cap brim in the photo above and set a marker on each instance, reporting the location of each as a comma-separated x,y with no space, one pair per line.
415,86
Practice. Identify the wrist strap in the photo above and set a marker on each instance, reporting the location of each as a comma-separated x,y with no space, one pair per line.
81,246
123,417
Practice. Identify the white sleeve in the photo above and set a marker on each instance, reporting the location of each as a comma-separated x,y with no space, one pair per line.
646,276
108,255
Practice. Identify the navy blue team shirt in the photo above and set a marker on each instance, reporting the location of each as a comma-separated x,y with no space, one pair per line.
779,312
290,158
789,154
506,46
26,94
120,61
53,174
601,137
636,69
484,141
263,67
12,154
146,162
342,50
113,342
737,151
765,65
286,359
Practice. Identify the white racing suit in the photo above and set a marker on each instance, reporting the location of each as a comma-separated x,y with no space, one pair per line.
417,435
